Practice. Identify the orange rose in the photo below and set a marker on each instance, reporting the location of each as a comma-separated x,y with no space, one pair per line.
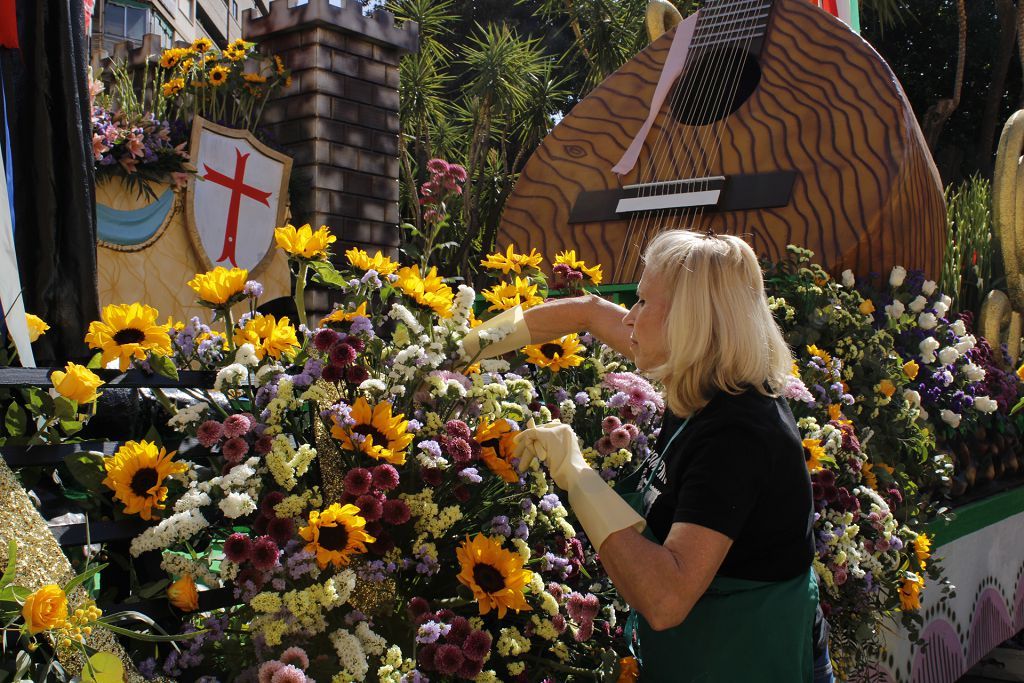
183,594
629,670
45,609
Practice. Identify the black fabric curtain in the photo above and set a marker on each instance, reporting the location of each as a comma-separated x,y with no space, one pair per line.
46,83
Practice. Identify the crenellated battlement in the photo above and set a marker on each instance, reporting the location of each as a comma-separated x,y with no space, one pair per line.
346,16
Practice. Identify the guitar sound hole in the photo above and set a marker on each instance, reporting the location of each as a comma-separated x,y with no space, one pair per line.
717,82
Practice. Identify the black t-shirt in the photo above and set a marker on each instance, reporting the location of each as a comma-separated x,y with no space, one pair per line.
738,467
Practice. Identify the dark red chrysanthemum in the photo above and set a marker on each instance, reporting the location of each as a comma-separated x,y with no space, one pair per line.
396,512
385,477
448,659
238,547
264,553
357,481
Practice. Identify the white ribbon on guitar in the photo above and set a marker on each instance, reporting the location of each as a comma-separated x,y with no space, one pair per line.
670,72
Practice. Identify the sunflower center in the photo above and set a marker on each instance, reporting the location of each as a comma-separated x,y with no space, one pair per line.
379,439
129,335
143,480
488,578
333,537
550,349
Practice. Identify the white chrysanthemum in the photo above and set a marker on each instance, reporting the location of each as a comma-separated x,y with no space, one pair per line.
231,376
236,505
246,355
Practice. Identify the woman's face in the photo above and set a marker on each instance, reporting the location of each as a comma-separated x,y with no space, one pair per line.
646,321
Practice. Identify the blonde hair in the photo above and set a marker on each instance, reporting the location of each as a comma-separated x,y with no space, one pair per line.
719,331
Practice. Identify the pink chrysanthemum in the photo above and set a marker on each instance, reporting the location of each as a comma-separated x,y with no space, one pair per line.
268,669
370,507
477,645
385,477
288,674
264,553
448,659
396,512
238,547
638,389
357,481
295,656
620,438
210,432
236,425
235,449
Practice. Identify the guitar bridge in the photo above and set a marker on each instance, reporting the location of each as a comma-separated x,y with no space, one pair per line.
712,193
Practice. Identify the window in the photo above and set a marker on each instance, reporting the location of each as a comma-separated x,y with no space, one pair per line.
125,21
234,8
161,28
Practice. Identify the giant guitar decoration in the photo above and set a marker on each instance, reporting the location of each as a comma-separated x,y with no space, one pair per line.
785,127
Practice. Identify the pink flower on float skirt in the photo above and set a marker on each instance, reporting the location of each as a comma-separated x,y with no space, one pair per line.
358,480
236,425
438,166
477,645
457,172
385,477
604,445
638,389
235,449
458,428
238,547
264,444
281,529
288,674
448,659
264,553
269,501
325,338
370,507
609,423
210,432
268,669
619,437
396,512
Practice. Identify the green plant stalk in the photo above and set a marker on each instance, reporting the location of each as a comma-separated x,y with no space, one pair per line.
300,291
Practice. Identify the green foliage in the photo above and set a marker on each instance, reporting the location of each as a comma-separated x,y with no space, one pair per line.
970,244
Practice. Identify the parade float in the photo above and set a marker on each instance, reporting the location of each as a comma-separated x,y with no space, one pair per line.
237,492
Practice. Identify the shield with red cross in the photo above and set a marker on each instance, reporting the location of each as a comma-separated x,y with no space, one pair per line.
236,198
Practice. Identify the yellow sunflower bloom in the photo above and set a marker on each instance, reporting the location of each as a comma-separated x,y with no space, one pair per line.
378,262
496,441
923,549
201,45
910,592
127,331
303,242
219,75
37,327
384,436
269,336
238,44
506,295
220,285
568,258
340,315
819,354
427,290
816,453
186,65
870,478
235,54
511,261
556,354
173,87
76,382
254,78
495,575
335,535
136,474
278,65
170,58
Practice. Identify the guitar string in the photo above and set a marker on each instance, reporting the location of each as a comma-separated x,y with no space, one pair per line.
690,137
750,30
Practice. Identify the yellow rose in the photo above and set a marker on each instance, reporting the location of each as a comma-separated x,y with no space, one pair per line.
76,382
36,326
45,609
886,388
911,368
866,307
183,594
219,285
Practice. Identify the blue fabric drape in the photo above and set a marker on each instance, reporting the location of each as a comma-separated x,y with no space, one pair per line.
130,227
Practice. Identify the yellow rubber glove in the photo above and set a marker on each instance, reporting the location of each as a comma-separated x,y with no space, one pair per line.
516,335
600,510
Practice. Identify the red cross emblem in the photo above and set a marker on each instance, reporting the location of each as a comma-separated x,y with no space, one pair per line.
238,189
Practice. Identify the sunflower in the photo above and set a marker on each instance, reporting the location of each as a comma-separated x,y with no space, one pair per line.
173,87
821,355
340,315
511,261
496,447
923,549
815,454
910,592
379,262
238,44
220,285
385,436
506,295
136,474
254,78
870,478
201,45
335,535
128,330
427,290
37,327
278,65
219,75
495,575
568,258
304,243
556,354
269,336
170,58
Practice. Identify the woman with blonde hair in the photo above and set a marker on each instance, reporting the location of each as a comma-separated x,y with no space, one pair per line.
710,542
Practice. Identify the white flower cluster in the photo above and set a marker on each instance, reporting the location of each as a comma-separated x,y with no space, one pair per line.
246,356
174,529
351,655
462,307
287,463
188,415
403,315
372,643
178,564
407,363
231,376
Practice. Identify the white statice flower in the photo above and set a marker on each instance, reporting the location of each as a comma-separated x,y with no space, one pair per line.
895,309
236,505
959,329
246,355
918,304
264,374
848,279
985,404
913,397
192,499
494,365
948,355
231,376
174,529
928,347
950,418
404,315
928,287
401,337
897,276
927,321
462,305
188,415
372,643
351,655
373,385
974,372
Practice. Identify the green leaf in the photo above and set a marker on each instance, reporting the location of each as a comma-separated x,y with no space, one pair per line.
103,667
15,594
65,408
15,421
325,273
163,365
71,427
83,577
12,564
153,589
96,362
87,469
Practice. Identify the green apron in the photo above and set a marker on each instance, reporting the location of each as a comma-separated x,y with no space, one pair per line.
739,630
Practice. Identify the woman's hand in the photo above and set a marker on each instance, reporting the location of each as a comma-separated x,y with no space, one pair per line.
556,445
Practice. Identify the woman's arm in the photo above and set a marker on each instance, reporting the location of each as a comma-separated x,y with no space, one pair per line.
664,582
560,317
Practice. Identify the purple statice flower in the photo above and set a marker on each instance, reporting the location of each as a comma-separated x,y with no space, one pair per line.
522,530
549,502
354,617
425,564
361,325
413,426
431,448
253,289
500,525
430,631
341,414
582,398
372,279
618,400
470,475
